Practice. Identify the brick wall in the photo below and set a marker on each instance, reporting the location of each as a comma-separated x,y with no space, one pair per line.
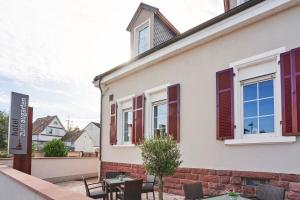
213,181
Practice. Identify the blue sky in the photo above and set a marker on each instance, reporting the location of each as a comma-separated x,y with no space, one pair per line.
52,49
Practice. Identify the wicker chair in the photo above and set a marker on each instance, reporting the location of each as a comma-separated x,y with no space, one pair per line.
269,192
193,191
132,190
112,174
148,186
95,194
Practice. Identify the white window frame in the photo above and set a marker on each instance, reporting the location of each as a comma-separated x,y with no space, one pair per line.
136,35
157,103
123,126
124,103
277,110
153,95
272,56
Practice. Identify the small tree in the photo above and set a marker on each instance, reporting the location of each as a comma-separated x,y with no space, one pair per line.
55,148
3,129
161,157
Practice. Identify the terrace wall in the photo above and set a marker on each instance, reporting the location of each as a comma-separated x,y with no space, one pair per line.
214,181
17,185
62,169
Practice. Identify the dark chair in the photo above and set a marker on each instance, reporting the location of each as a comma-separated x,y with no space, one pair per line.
193,191
148,186
113,174
269,192
132,190
95,194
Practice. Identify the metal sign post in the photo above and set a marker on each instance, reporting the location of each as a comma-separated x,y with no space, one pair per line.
20,132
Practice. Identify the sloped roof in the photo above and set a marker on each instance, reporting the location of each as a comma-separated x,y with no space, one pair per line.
41,123
156,12
181,36
72,136
97,124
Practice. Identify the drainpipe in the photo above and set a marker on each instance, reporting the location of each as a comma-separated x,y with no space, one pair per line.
100,143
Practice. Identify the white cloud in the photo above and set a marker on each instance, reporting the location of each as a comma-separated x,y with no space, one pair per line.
4,98
53,49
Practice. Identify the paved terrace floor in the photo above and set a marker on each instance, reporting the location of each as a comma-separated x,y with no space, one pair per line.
77,186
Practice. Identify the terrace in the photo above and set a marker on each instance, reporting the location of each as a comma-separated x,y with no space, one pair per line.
78,187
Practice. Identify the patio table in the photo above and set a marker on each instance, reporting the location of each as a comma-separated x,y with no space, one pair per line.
225,197
111,182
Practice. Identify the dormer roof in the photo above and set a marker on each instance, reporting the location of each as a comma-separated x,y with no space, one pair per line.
156,12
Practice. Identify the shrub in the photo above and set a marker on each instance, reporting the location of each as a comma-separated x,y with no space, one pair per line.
161,157
55,148
3,154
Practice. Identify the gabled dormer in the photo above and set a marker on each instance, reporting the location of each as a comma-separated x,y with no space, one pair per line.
149,28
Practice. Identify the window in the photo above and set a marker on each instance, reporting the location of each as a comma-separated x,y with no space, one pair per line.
257,100
124,120
142,37
127,126
254,182
156,111
258,107
159,117
143,40
51,131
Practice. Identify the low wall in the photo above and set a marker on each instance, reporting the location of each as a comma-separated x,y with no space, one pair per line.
15,185
214,181
61,169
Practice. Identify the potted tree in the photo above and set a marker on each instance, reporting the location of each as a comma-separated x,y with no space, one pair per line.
161,157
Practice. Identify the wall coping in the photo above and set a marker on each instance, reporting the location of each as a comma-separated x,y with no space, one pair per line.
43,188
37,158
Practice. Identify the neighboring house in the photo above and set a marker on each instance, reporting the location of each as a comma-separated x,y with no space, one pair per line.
70,138
86,140
46,129
92,131
226,90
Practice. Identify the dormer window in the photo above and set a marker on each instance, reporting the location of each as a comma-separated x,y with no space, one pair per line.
142,39
149,28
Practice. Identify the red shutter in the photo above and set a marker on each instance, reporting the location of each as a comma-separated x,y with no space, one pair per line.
113,124
290,86
138,119
286,93
174,111
225,112
295,53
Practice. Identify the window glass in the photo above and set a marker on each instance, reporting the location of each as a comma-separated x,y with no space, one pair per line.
159,118
258,107
127,126
143,40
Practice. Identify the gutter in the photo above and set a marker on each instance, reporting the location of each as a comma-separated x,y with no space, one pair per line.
101,125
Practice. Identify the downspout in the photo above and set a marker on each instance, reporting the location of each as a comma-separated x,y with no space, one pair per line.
100,147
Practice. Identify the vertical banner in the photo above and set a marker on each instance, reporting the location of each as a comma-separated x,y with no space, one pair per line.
18,124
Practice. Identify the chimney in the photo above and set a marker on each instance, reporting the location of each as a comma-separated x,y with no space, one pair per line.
226,5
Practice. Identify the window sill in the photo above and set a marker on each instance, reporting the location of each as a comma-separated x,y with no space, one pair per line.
124,145
262,140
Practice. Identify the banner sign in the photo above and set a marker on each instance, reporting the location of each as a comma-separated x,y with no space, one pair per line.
18,124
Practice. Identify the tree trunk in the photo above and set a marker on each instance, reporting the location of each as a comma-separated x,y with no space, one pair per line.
160,188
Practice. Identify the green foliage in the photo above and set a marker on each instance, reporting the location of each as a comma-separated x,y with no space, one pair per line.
232,194
55,148
161,157
33,147
3,129
3,154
